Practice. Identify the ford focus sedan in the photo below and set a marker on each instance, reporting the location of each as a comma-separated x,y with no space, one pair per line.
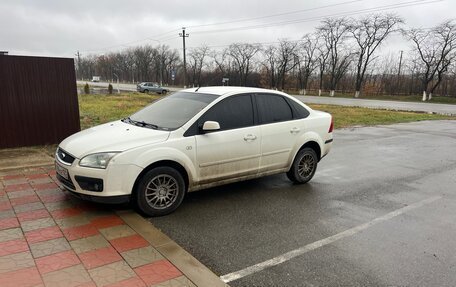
194,139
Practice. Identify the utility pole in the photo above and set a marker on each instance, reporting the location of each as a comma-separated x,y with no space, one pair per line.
183,35
400,64
79,64
399,71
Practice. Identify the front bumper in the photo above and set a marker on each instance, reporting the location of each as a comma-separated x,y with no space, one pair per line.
102,199
117,181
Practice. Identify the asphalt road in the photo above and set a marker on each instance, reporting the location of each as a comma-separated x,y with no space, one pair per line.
122,86
445,109
381,210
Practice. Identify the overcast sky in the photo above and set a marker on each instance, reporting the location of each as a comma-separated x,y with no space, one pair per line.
62,27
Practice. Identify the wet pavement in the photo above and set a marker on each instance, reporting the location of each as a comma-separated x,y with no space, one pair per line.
380,211
50,238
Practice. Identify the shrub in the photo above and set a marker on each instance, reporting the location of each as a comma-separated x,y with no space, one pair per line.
110,89
86,89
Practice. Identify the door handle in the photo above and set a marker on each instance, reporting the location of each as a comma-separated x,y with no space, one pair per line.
295,130
250,137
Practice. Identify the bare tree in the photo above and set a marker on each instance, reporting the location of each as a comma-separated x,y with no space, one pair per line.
221,60
242,55
431,68
334,33
369,33
307,60
286,60
171,62
270,65
143,60
197,56
436,50
160,61
322,58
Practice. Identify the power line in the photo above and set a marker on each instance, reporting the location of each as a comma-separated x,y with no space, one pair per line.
275,15
157,36
267,25
133,42
255,43
348,13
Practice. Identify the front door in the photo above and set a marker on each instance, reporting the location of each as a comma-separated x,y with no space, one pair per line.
234,150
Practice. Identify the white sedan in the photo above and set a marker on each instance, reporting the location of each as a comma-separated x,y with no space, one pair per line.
194,139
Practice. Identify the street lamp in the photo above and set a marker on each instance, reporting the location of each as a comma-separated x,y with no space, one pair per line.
118,89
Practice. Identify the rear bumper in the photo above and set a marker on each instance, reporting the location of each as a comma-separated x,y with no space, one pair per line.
327,147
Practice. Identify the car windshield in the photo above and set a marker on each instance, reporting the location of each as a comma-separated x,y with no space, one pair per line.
172,111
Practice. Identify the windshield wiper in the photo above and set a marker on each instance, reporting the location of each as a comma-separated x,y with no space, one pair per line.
139,123
127,120
146,125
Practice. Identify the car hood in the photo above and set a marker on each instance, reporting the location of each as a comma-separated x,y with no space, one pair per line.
114,136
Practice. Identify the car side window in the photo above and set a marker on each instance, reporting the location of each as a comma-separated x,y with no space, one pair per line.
273,108
231,113
299,112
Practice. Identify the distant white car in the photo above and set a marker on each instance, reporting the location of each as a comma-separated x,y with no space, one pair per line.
194,139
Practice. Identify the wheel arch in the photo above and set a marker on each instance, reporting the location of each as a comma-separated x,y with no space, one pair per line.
161,163
310,143
313,145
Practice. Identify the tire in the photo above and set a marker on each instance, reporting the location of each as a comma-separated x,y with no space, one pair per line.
304,166
146,91
169,191
164,92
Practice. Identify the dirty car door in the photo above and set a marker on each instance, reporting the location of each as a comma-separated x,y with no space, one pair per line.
234,150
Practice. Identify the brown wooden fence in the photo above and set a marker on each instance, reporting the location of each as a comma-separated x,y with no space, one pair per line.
38,100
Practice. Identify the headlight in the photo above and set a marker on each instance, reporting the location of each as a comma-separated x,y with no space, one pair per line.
97,160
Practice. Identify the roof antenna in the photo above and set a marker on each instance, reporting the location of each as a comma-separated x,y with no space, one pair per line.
197,88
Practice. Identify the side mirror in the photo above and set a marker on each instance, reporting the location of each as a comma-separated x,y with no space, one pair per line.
210,126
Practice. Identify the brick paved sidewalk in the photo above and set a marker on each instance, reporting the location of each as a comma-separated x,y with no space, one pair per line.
50,238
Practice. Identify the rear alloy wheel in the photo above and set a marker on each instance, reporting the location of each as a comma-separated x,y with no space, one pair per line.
146,91
304,166
164,92
160,191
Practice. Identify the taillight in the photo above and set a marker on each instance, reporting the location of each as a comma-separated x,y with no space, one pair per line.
331,126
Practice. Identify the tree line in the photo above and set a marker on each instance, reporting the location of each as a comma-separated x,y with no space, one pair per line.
342,55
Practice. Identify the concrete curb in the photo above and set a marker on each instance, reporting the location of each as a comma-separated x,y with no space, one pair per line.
41,164
194,270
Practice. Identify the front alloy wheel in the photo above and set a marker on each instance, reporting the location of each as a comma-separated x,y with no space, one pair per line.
160,191
304,166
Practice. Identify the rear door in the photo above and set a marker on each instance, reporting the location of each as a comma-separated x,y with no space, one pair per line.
234,150
279,131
